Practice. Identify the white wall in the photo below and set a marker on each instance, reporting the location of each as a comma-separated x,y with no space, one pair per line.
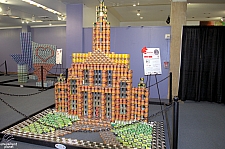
193,23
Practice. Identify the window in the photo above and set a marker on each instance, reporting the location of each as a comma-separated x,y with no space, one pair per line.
72,82
123,89
59,108
86,77
123,109
85,103
73,87
108,105
97,77
143,107
73,104
135,95
66,109
97,104
109,78
135,116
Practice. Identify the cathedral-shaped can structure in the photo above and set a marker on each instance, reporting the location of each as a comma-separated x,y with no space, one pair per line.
99,84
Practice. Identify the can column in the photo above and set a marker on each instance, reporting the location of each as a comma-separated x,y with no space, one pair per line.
113,105
103,105
90,102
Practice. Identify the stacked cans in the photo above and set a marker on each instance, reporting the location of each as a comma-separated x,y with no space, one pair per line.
139,104
120,58
112,98
26,47
45,84
22,73
101,37
101,30
43,55
79,57
61,97
37,70
100,82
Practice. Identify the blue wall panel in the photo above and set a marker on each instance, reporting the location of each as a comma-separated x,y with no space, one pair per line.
74,30
9,44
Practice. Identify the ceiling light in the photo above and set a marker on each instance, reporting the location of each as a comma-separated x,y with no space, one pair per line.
63,17
59,18
14,17
8,11
141,17
138,3
50,24
138,13
134,5
22,21
32,3
221,19
33,18
0,9
27,22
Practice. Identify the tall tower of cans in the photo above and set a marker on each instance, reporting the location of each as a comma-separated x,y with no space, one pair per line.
99,85
24,60
101,29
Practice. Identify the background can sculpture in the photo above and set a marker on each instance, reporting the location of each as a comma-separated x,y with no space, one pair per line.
43,55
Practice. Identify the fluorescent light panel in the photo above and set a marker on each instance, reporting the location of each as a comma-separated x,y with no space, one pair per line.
14,17
43,7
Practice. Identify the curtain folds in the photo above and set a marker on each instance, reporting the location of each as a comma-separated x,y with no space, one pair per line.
202,71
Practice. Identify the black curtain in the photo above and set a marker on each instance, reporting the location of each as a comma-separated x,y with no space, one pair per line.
202,71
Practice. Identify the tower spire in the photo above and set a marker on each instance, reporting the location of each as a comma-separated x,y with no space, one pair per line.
101,29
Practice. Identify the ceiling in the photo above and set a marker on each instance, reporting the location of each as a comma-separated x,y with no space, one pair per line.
123,10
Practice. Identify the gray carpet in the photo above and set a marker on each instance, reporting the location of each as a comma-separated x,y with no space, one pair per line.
26,105
201,125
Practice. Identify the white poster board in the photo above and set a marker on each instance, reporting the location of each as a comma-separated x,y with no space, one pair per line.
59,56
152,61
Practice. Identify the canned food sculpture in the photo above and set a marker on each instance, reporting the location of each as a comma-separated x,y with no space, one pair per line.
24,60
99,84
